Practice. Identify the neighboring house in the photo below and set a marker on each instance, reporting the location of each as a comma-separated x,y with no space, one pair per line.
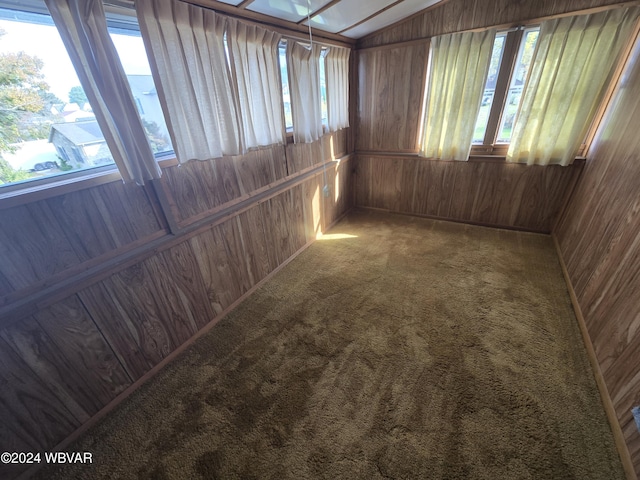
146,98
80,144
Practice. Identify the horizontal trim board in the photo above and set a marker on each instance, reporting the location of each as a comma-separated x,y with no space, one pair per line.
256,194
472,158
41,299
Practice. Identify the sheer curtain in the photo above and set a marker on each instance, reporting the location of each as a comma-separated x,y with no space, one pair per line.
573,61
304,88
459,67
185,46
253,54
83,28
337,74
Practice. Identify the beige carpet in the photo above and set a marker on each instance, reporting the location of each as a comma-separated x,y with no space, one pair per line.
396,348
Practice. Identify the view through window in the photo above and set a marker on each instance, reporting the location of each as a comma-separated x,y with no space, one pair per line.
47,126
504,85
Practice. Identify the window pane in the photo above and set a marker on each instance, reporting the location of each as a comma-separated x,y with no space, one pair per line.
518,79
323,88
47,127
489,88
133,57
284,75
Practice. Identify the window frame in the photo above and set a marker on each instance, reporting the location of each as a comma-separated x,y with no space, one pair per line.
510,51
120,20
499,150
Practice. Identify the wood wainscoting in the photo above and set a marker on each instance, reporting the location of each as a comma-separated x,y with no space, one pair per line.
96,292
599,240
480,192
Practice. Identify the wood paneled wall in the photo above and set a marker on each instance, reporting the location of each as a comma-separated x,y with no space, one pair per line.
390,93
81,346
599,239
196,190
487,193
391,82
45,241
457,15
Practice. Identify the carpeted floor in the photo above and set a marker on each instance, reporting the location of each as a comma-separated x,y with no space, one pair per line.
395,348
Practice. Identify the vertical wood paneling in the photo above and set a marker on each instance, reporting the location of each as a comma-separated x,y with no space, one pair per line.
73,333
127,211
390,92
491,193
301,156
44,239
254,244
127,309
312,205
33,246
599,238
37,350
457,15
259,168
222,264
31,416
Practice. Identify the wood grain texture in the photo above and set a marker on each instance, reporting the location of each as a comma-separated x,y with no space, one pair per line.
72,332
457,15
46,238
222,265
130,312
31,416
390,92
599,237
489,193
197,189
301,156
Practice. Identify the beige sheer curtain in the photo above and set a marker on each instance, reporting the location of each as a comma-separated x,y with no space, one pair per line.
185,46
304,88
458,72
572,64
253,54
337,75
83,28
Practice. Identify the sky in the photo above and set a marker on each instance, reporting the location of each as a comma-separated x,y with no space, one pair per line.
44,42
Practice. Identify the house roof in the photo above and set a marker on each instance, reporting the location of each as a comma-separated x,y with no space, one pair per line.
78,133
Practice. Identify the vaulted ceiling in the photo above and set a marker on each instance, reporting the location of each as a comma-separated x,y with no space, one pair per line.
348,18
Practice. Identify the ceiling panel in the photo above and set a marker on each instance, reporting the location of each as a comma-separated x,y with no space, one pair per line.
388,17
346,13
291,10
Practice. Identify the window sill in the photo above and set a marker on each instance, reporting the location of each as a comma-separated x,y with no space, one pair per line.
20,194
473,157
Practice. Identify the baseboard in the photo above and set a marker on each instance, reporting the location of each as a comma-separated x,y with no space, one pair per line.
454,220
618,436
169,358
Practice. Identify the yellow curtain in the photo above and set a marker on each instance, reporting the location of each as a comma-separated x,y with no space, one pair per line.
572,65
458,71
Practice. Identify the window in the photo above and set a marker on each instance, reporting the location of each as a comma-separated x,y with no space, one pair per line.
508,70
133,57
47,126
286,95
284,76
323,88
